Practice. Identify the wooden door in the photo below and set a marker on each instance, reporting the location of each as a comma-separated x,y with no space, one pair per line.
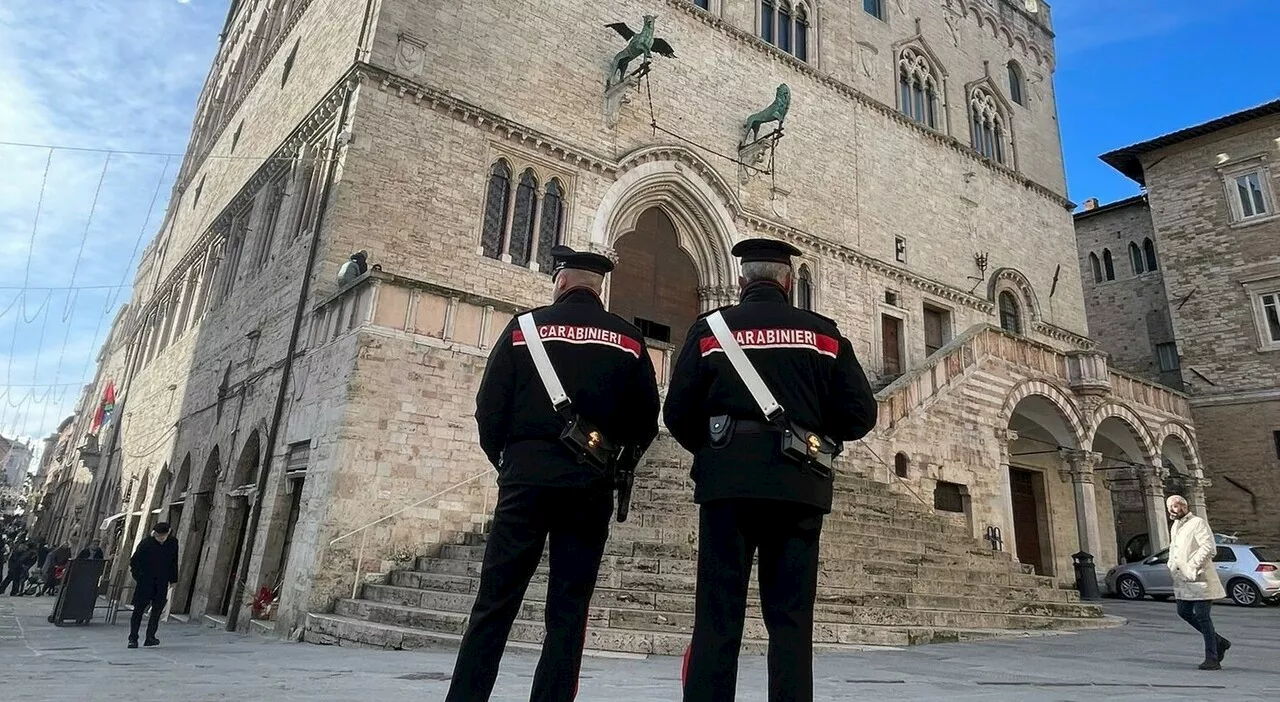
891,335
1026,518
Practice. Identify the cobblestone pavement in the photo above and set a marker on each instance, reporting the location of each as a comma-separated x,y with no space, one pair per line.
1153,657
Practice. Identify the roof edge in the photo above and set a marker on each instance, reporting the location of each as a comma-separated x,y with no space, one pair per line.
1111,206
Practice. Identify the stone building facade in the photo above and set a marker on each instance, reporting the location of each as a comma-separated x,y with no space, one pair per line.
305,437
1211,207
1124,289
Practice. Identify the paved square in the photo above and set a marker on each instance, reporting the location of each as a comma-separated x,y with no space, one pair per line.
1152,658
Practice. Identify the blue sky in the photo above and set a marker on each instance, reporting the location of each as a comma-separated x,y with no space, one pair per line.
125,75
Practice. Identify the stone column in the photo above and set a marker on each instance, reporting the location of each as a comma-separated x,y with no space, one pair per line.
1006,437
1152,481
1195,495
1077,467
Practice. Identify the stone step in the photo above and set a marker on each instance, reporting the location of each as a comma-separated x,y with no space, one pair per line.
610,605
1008,600
900,591
619,637
835,552
657,575
332,629
863,578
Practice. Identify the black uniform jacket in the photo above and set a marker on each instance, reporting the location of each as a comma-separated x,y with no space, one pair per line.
153,560
606,371
811,371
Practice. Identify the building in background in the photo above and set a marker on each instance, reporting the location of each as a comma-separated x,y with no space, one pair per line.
1182,286
15,459
303,435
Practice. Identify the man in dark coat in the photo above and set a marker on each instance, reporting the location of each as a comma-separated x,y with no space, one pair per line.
21,559
754,494
93,550
544,489
154,567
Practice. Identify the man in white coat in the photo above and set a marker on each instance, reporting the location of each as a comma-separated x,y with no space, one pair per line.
1195,580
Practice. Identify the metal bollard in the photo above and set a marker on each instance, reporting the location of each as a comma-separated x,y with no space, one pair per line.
1086,576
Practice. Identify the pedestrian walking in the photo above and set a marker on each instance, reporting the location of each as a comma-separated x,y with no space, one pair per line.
763,394
57,559
568,389
1195,581
154,566
24,556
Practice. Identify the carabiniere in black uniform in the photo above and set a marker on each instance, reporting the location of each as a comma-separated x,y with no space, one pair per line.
548,485
763,485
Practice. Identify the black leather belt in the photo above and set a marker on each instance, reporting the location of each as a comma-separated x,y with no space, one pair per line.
747,426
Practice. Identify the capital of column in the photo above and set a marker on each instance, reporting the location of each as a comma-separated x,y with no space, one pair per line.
1078,466
1152,478
1006,435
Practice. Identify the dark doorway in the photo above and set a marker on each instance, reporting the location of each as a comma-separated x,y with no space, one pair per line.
241,510
1027,489
891,335
655,285
194,553
936,329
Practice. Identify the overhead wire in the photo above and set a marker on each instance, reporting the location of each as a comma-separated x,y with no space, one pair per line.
68,308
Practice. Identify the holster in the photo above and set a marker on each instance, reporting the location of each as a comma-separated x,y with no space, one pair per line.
588,443
809,449
720,431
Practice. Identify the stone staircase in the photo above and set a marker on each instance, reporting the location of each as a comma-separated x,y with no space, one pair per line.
893,573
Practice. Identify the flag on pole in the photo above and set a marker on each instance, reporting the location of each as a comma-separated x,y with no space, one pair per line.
102,416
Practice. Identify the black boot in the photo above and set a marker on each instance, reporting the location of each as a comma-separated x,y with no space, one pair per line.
1210,664
1223,645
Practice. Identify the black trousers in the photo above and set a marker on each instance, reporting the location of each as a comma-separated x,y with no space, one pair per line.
730,532
150,592
577,522
17,576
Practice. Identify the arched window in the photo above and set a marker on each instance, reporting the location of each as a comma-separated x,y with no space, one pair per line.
917,88
802,33
804,289
1017,91
1149,248
551,228
1107,265
1010,315
270,218
495,209
1135,259
988,124
522,219
1097,267
901,464
784,26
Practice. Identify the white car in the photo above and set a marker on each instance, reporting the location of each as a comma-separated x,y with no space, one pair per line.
1249,574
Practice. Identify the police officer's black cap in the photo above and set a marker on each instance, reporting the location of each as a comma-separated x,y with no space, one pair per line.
770,250
566,257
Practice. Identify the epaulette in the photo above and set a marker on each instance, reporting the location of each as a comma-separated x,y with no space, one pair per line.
829,320
710,312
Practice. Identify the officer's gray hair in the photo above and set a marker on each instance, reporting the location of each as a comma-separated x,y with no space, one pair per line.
1176,500
578,278
765,270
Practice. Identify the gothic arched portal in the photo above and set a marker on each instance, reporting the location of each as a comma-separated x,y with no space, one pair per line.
655,285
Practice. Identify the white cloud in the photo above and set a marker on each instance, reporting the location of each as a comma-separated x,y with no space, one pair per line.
96,74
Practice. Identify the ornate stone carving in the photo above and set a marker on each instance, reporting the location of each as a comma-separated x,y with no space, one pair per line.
1078,466
410,53
1089,373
